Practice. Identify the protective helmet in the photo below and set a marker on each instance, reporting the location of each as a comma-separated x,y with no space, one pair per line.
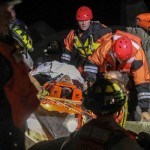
11,2
123,48
106,96
22,37
84,13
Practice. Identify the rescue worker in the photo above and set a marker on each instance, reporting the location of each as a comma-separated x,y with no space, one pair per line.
83,41
20,32
122,117
17,94
127,56
105,99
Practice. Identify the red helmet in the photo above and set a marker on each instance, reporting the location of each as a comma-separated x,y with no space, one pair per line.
84,13
123,48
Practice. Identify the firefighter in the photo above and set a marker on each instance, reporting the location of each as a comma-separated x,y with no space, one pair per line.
18,95
105,99
122,117
20,32
83,41
127,56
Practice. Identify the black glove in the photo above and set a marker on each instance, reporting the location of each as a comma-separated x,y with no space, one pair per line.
90,77
144,140
91,71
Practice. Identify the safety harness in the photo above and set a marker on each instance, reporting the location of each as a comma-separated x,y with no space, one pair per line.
86,44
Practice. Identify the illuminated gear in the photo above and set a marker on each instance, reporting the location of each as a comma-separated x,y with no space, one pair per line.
20,34
22,97
106,96
123,48
84,13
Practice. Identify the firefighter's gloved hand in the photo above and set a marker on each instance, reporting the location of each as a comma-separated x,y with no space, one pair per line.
91,71
90,76
144,140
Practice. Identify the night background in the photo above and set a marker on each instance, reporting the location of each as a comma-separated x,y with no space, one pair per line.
60,14
53,19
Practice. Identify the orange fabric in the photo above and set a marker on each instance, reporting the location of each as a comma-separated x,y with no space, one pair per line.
54,101
55,89
19,90
102,56
69,40
99,56
142,74
143,20
120,117
133,37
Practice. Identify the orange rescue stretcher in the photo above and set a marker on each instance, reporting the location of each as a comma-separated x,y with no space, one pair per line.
64,98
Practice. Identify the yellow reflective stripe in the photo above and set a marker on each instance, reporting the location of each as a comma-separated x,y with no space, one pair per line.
24,38
86,49
95,45
125,110
18,31
77,42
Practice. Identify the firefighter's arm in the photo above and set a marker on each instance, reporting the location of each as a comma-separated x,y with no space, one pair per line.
143,100
91,71
68,47
100,54
35,82
141,79
105,38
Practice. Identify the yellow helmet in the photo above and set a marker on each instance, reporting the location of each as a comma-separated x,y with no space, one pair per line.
22,37
106,96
